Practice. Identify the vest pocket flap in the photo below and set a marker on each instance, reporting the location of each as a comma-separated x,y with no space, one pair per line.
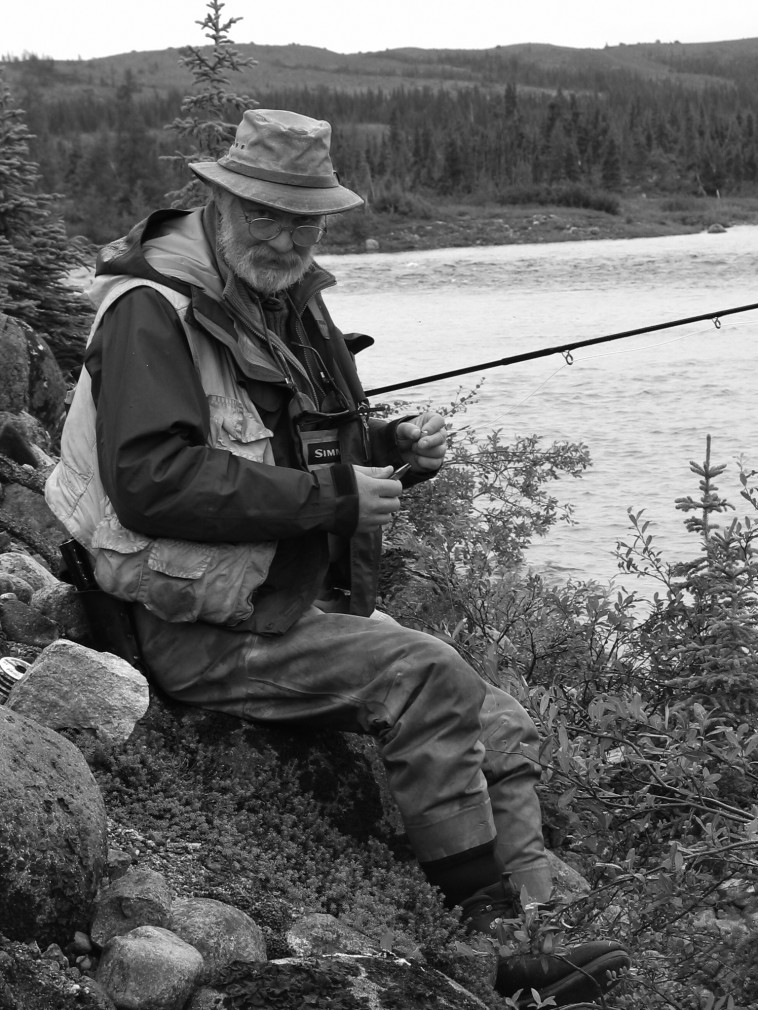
181,559
111,535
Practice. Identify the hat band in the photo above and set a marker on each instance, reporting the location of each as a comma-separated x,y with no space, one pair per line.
271,175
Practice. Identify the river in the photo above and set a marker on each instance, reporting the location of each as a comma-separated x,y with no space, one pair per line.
644,405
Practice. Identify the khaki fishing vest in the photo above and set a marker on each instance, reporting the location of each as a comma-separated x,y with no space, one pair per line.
178,580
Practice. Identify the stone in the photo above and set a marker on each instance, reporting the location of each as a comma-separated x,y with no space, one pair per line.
32,507
220,932
141,897
19,587
26,568
149,969
61,603
72,687
32,379
53,833
20,623
382,980
318,933
371,245
206,998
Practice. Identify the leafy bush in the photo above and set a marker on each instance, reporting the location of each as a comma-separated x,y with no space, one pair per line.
647,712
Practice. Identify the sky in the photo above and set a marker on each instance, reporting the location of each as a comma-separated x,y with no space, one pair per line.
91,28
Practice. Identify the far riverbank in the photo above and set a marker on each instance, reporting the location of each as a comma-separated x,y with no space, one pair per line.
452,225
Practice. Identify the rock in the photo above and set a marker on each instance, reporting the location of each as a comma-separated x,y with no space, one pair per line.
26,568
716,229
32,380
221,933
53,833
568,883
35,982
20,623
141,897
379,980
72,687
206,998
19,587
317,934
22,501
149,969
371,245
61,604
33,432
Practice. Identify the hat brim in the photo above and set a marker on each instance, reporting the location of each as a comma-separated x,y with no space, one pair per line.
277,195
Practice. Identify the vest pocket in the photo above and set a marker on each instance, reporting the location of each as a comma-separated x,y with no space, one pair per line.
180,580
236,429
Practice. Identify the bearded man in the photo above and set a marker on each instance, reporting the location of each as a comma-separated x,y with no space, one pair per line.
220,466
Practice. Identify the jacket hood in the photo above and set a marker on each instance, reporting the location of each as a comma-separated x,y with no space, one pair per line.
177,248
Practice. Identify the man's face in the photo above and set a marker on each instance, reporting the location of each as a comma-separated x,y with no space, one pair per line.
267,265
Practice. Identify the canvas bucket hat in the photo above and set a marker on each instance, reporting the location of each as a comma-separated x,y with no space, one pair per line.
281,160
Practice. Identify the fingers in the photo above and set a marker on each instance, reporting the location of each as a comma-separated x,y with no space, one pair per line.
378,496
423,440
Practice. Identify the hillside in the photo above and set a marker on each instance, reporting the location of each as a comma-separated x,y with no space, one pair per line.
428,136
695,65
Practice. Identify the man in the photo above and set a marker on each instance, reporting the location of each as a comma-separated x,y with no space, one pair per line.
220,465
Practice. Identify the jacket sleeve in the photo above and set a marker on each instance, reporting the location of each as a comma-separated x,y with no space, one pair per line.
161,476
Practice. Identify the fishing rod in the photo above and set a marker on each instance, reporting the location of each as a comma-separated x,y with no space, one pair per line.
564,349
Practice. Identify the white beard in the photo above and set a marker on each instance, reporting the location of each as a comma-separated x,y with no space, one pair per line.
260,266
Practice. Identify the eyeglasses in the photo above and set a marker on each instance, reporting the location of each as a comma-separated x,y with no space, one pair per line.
264,229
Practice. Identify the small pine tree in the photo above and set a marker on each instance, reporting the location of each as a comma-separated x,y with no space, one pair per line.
35,252
209,116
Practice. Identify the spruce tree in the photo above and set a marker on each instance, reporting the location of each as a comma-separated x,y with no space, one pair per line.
35,253
210,114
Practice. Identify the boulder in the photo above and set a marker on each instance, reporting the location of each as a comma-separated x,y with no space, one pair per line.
61,603
149,969
318,933
373,980
53,833
20,623
72,687
24,567
32,379
23,501
220,932
141,897
16,586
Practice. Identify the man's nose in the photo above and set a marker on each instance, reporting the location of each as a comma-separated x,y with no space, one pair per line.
283,241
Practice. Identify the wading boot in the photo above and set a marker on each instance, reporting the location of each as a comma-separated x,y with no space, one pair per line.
580,974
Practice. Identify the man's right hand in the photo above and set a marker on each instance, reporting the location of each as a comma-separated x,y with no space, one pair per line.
378,496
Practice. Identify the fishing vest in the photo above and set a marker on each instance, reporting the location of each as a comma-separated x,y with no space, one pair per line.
178,580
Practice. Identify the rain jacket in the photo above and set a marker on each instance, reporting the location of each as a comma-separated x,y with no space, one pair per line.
199,464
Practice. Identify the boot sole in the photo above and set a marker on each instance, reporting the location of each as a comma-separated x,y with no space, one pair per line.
582,985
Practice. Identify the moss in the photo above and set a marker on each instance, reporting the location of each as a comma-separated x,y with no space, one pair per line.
280,823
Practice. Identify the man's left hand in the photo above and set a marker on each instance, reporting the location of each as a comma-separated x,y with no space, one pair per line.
423,442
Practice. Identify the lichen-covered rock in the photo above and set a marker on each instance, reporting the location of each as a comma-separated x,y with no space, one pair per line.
53,833
19,587
72,687
61,603
149,969
141,897
32,981
26,568
32,379
374,981
21,623
220,932
319,933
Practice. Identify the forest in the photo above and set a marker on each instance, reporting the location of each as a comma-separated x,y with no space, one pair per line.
413,127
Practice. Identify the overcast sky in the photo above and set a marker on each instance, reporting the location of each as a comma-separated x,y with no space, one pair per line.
89,28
